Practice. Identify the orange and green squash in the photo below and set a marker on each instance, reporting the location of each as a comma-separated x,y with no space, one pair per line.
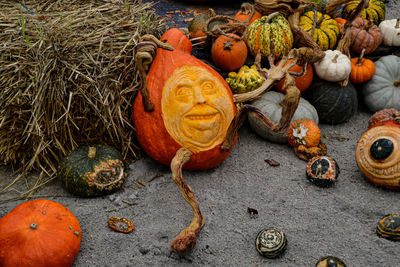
39,233
245,80
193,107
262,31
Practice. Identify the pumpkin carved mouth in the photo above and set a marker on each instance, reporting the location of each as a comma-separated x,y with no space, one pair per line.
201,117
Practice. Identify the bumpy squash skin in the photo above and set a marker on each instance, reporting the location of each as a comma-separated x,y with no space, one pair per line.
245,80
55,241
334,104
326,34
261,32
375,10
74,168
150,128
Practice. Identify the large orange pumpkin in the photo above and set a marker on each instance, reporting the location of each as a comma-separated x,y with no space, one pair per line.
193,107
39,233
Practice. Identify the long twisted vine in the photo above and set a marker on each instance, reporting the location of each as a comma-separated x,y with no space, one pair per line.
145,52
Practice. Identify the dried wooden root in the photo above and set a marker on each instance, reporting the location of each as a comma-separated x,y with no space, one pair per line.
289,106
187,238
301,36
145,52
285,7
307,153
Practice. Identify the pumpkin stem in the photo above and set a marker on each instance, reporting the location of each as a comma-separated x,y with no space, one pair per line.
396,83
228,45
33,226
92,152
397,24
361,57
271,16
334,59
187,237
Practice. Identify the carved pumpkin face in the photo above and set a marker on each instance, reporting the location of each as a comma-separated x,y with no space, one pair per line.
196,108
378,156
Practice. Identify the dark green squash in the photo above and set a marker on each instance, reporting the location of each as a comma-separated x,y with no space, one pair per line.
389,227
92,171
334,104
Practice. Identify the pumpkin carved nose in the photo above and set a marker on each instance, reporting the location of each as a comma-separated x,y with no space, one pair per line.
199,97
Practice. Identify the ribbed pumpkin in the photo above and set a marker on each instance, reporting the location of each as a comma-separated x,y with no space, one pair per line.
92,171
334,104
391,32
374,11
362,69
270,105
326,31
383,90
245,80
334,67
228,52
366,35
39,233
269,28
193,107
302,83
378,156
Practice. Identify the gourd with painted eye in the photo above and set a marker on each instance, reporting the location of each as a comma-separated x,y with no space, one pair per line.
334,67
40,232
378,156
383,90
270,105
92,171
322,171
391,32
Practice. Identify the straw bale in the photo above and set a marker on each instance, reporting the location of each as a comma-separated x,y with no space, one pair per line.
67,77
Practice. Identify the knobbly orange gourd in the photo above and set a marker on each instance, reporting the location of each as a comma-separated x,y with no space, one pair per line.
193,107
39,233
229,52
304,132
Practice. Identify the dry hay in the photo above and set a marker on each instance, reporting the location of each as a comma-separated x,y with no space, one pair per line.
67,77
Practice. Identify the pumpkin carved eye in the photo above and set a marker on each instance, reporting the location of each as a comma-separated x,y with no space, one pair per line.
381,149
208,88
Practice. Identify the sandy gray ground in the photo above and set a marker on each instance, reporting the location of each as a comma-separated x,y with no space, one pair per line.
338,221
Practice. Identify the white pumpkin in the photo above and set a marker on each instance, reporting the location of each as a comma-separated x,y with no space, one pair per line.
391,32
383,90
270,105
334,67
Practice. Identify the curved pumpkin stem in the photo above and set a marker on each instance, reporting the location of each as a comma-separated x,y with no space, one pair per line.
145,52
187,237
289,106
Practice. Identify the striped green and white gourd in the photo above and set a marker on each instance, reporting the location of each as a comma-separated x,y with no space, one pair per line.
272,28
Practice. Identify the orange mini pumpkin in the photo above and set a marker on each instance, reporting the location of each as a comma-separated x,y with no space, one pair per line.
39,233
303,82
229,53
362,69
244,13
304,132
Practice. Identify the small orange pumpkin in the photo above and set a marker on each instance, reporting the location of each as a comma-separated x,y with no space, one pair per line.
302,83
244,13
304,132
362,69
228,52
40,232
340,21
